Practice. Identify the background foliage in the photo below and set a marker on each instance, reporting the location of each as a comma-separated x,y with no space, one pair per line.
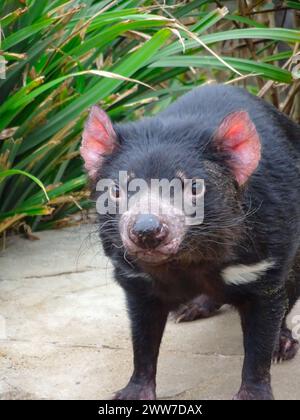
132,58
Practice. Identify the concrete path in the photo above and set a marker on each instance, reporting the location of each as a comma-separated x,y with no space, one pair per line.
64,331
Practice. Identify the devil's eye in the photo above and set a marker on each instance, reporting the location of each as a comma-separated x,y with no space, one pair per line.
197,188
115,192
194,188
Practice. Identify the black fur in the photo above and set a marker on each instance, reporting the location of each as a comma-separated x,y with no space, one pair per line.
242,225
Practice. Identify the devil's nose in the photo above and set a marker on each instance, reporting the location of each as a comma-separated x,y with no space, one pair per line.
148,231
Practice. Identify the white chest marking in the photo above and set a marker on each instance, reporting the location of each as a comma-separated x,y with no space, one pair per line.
244,274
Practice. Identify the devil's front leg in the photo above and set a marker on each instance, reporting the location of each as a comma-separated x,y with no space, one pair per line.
148,318
261,319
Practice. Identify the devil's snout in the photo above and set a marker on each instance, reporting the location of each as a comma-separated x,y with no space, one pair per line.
148,231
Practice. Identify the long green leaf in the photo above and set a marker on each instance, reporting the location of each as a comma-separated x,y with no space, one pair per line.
276,34
10,172
25,33
248,66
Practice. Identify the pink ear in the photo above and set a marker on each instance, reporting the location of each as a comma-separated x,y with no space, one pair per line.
237,137
98,140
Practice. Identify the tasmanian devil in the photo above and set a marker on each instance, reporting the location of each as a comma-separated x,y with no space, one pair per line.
245,251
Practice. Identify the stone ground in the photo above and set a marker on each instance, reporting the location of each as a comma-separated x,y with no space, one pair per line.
64,331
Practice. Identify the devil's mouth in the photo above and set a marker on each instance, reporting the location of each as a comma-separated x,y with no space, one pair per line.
152,257
163,253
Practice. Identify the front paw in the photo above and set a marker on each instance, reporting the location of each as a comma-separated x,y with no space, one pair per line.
134,391
254,392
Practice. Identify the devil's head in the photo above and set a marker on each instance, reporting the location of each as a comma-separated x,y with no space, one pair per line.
209,165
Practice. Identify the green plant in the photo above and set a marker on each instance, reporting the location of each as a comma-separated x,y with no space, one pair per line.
131,57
